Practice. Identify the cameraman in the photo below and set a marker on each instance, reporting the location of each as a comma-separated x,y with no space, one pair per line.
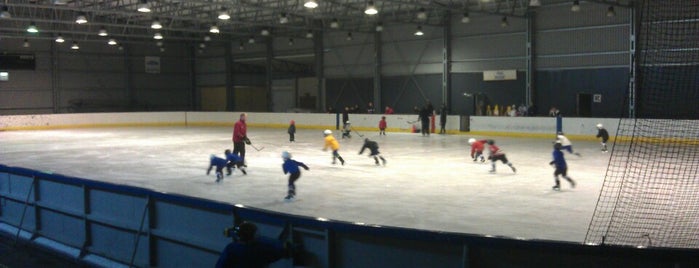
250,251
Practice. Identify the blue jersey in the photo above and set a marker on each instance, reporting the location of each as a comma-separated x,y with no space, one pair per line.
292,166
234,158
218,162
558,159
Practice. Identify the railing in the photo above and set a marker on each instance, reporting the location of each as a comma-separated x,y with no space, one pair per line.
112,225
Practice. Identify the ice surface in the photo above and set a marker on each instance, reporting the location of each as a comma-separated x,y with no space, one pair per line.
429,182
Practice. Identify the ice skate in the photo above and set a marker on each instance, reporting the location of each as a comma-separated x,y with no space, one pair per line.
219,177
342,161
384,161
289,198
556,187
482,159
578,154
377,163
492,171
513,169
244,172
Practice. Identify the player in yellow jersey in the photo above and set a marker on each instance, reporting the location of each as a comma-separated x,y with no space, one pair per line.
331,142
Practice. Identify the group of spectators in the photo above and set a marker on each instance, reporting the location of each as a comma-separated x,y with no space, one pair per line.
370,109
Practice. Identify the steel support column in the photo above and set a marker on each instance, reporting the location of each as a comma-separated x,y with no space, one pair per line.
230,83
634,23
446,61
318,49
55,97
269,71
378,59
529,87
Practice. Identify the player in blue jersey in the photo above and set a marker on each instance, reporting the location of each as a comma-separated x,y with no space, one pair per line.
561,168
234,160
219,163
292,167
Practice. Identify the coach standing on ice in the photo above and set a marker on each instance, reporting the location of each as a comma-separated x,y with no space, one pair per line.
240,137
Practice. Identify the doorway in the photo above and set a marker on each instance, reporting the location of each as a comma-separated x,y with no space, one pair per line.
584,107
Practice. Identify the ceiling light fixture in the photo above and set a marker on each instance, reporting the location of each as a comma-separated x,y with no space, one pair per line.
207,38
422,14
291,41
143,6
81,19
241,46
202,45
59,39
223,14
264,32
26,43
32,28
214,29
309,34
156,24
611,12
159,43
283,18
576,6
251,40
465,18
371,9
379,27
349,36
310,4
534,3
419,32
158,36
335,24
112,42
5,13
162,49
102,32
75,46
504,22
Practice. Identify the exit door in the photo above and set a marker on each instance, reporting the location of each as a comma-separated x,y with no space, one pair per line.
584,107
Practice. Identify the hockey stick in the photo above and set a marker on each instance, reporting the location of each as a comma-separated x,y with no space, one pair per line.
358,134
257,149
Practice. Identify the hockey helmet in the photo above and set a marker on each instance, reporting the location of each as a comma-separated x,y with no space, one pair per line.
599,126
327,132
491,142
292,122
212,157
227,152
557,145
286,155
471,140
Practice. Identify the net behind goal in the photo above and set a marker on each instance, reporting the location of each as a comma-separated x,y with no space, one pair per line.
650,195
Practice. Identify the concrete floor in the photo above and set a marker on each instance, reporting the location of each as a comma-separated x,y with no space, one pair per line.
428,183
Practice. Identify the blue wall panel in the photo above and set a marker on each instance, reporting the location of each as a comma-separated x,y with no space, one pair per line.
69,197
61,227
203,228
118,244
172,254
126,210
365,251
11,212
560,89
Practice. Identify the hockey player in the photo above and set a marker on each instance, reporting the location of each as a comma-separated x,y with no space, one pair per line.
565,143
497,154
382,126
477,147
234,161
346,130
292,167
602,133
240,138
374,149
219,163
331,142
292,130
561,168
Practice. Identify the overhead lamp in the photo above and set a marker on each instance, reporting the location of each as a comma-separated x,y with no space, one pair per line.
335,24
112,42
59,39
291,41
223,14
102,32
379,27
202,45
349,36
156,24
611,12
283,18
32,28
159,43
371,9
75,46
5,13
59,2
534,3
422,14
419,32
120,47
264,32
214,29
26,43
576,6
143,6
241,46
310,4
465,18
158,36
81,19
309,34
162,49
251,40
207,38
504,22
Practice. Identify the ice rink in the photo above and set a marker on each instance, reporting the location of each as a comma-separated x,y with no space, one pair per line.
428,183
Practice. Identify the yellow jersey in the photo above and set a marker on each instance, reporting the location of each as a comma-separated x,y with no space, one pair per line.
331,142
